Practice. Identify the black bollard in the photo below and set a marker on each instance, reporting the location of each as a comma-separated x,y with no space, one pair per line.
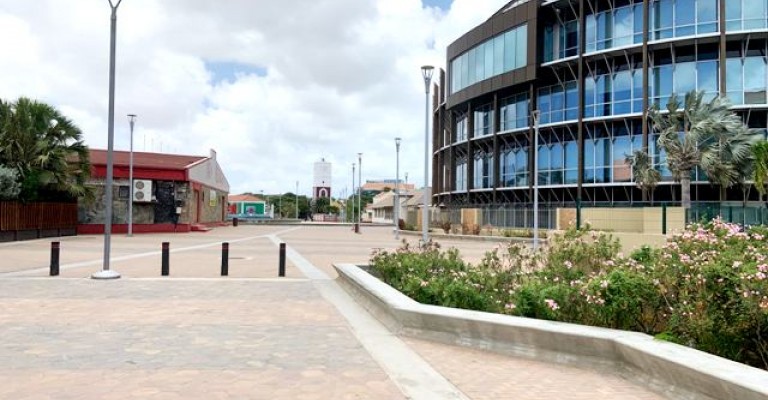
224,259
55,258
234,221
281,269
165,259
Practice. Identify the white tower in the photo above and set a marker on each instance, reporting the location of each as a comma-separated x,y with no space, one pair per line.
322,184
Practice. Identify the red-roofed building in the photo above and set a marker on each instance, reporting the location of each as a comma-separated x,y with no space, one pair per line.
170,192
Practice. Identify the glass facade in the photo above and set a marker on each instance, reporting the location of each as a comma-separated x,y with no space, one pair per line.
502,53
558,154
606,146
514,112
613,93
745,15
687,71
461,174
621,26
461,128
483,121
558,103
514,164
678,18
746,80
483,169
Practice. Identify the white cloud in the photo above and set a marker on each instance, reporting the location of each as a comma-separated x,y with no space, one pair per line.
342,77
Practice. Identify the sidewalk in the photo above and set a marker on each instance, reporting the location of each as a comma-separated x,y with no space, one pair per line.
247,336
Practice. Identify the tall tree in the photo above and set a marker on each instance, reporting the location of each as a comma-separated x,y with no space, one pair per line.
760,167
728,157
645,175
45,148
700,133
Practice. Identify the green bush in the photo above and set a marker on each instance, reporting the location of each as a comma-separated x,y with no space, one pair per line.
706,288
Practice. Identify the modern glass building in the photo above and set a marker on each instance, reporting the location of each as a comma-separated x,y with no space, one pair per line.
592,68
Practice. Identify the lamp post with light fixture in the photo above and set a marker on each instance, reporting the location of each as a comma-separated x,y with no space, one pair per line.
426,72
131,119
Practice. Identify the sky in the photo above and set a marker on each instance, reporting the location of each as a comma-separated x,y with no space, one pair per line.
271,86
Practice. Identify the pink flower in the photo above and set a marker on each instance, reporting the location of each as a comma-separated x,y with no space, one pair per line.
604,284
509,306
552,304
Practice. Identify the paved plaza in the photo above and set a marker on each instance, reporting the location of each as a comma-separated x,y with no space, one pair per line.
195,335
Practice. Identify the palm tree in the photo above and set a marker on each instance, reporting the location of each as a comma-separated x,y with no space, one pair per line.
700,133
760,166
728,157
645,175
45,148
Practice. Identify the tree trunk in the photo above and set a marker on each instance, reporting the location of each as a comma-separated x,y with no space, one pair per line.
685,191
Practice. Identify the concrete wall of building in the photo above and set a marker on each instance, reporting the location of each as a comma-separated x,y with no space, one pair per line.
646,220
209,173
213,206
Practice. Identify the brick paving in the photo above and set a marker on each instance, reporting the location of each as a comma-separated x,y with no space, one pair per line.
246,336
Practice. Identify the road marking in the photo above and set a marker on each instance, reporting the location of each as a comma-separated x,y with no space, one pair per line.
90,263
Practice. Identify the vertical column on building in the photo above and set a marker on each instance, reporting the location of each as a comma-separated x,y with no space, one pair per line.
450,161
436,139
580,128
723,49
531,150
470,184
646,80
496,129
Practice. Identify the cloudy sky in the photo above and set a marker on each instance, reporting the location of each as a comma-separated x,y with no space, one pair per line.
272,86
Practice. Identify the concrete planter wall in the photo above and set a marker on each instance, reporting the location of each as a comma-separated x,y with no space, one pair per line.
675,370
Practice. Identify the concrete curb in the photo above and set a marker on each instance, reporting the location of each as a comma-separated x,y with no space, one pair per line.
677,371
473,238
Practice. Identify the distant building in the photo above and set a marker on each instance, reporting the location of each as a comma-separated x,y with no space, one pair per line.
377,186
322,180
248,206
171,192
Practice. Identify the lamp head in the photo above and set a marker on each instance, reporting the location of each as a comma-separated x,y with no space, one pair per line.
426,72
397,141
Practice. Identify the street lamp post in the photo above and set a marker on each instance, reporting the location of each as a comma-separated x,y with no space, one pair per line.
396,211
360,188
132,118
297,199
352,217
105,272
426,72
536,180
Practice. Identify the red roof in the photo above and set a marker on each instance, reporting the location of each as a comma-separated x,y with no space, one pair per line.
145,160
243,197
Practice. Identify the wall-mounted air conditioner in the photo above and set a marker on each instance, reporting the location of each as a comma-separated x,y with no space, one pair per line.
142,191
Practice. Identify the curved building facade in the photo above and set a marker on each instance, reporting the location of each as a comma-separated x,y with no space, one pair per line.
591,68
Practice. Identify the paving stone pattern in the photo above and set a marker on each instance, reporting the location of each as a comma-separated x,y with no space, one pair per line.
249,336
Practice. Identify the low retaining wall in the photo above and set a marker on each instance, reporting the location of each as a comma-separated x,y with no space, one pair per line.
675,370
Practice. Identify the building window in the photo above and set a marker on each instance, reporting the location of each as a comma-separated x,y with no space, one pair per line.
678,18
483,169
606,146
514,164
514,112
745,15
483,120
461,174
687,72
461,128
621,26
558,103
503,53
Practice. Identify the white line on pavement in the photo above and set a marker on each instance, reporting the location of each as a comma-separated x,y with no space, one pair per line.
27,272
415,377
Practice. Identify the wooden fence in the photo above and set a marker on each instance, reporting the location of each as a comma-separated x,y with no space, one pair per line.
15,216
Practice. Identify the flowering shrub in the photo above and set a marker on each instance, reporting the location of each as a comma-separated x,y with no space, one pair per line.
706,288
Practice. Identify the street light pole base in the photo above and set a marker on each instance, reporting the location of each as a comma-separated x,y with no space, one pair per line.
108,274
